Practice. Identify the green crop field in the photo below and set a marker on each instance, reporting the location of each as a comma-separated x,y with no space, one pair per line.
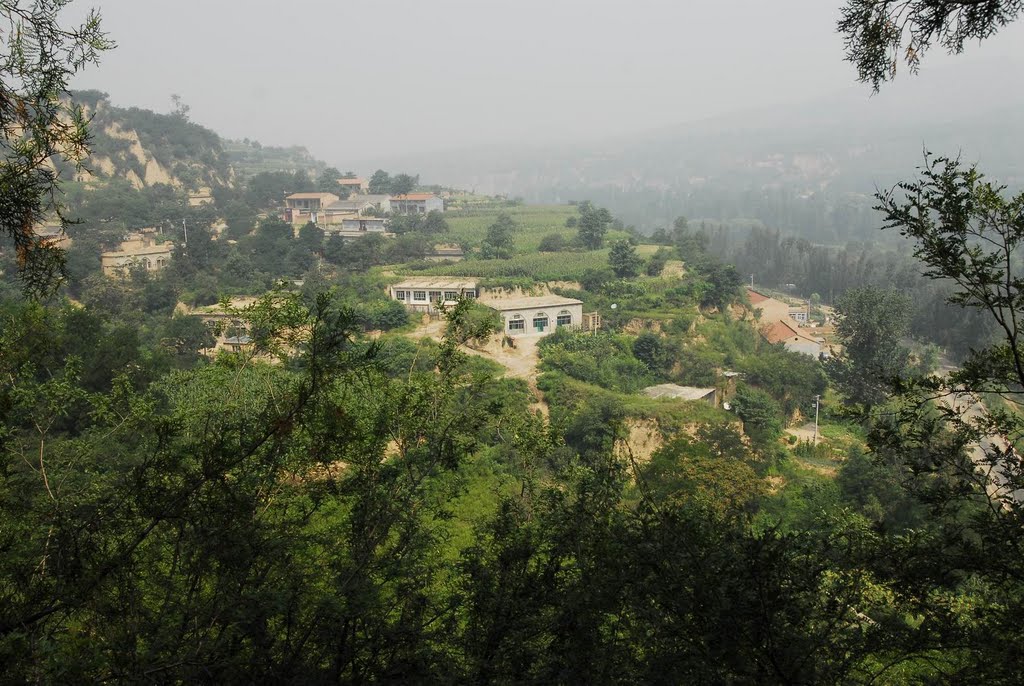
533,222
539,266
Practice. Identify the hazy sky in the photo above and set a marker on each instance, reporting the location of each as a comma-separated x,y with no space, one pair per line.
354,80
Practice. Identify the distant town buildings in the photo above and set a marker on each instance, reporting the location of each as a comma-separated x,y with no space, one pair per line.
138,250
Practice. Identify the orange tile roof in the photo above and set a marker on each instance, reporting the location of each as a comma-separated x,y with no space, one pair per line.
756,297
779,331
414,196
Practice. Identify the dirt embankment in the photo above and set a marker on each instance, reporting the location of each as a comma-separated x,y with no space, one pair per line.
643,441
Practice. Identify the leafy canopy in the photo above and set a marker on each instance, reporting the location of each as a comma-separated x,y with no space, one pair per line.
39,123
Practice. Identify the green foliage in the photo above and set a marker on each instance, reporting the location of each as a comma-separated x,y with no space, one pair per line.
380,182
602,359
39,123
499,243
402,184
382,315
267,190
553,242
793,379
623,259
656,265
879,34
565,266
705,475
761,415
250,158
595,280
871,324
723,285
650,349
593,225
327,182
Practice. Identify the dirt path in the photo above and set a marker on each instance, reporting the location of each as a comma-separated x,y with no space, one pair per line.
519,362
803,433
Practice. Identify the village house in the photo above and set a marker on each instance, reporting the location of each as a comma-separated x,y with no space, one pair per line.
302,208
536,315
770,308
799,313
416,203
785,333
326,209
237,344
139,249
427,294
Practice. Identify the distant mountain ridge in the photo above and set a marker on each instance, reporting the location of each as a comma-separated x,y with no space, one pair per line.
763,162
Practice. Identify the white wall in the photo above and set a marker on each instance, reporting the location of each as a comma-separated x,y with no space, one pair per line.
529,314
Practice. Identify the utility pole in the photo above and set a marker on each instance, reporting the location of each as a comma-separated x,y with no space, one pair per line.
817,404
185,229
751,282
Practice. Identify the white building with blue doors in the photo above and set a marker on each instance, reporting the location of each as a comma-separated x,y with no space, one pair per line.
536,316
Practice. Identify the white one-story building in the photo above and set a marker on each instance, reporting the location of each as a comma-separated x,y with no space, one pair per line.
537,316
424,294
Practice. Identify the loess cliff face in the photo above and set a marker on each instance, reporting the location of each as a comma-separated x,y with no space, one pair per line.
146,148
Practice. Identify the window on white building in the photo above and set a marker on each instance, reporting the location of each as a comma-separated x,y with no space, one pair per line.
564,318
419,296
517,323
400,295
451,295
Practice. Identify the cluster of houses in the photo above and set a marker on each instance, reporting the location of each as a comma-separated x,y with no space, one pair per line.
786,324
361,213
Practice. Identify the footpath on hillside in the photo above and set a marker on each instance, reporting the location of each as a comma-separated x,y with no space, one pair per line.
519,362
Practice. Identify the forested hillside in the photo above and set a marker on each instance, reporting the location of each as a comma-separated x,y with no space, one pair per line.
263,435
